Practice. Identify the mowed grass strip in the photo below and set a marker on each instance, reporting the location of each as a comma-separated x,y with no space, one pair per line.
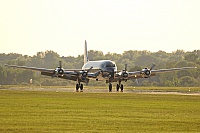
41,111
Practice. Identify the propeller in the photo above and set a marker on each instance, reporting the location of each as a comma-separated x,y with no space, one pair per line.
60,64
59,70
124,72
147,72
125,67
153,65
85,73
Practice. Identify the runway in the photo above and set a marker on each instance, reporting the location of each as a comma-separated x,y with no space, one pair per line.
97,90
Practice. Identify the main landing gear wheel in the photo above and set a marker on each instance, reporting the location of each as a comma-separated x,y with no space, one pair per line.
110,87
117,87
79,86
120,87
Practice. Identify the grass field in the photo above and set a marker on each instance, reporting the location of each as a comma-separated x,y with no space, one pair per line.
43,111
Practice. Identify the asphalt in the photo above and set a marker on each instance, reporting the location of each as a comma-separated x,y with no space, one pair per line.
90,90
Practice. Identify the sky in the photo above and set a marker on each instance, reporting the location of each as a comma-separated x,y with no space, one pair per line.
115,26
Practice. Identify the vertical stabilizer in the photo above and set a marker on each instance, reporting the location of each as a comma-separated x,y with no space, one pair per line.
85,53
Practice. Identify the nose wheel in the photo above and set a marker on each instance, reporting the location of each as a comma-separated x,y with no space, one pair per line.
110,87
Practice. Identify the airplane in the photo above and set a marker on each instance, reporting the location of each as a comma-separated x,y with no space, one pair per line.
98,70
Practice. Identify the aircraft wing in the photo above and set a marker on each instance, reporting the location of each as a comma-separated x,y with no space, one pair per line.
144,74
39,69
134,75
32,68
70,74
75,70
169,70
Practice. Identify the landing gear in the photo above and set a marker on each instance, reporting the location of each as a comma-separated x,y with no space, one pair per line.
120,86
110,87
79,86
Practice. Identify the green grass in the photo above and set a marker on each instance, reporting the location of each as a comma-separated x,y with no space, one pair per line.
42,111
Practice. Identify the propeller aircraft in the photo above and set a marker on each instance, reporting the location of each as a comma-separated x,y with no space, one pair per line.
98,70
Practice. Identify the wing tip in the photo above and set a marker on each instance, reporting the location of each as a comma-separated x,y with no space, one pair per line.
189,67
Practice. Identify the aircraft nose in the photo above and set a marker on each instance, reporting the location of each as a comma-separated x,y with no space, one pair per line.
111,72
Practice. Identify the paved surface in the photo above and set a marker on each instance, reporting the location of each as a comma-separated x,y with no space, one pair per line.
89,90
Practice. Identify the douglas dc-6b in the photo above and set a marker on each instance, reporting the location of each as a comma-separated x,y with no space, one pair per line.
98,70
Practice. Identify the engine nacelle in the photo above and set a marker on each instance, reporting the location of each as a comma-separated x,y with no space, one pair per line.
58,72
124,74
148,72
145,73
61,71
83,75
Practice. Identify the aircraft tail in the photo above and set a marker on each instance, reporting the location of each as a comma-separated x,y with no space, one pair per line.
85,53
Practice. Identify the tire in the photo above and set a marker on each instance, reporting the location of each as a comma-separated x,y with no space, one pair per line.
77,87
122,87
81,87
110,87
117,87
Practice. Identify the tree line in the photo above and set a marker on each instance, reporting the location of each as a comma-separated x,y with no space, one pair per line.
136,60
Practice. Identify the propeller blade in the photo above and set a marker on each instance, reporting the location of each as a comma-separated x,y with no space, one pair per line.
60,64
125,67
83,74
152,66
89,69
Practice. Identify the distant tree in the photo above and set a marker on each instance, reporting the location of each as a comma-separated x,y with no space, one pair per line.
188,81
135,68
192,57
145,60
181,63
24,76
129,55
95,55
3,75
136,60
160,54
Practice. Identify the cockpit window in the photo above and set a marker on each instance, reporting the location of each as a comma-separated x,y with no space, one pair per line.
110,64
